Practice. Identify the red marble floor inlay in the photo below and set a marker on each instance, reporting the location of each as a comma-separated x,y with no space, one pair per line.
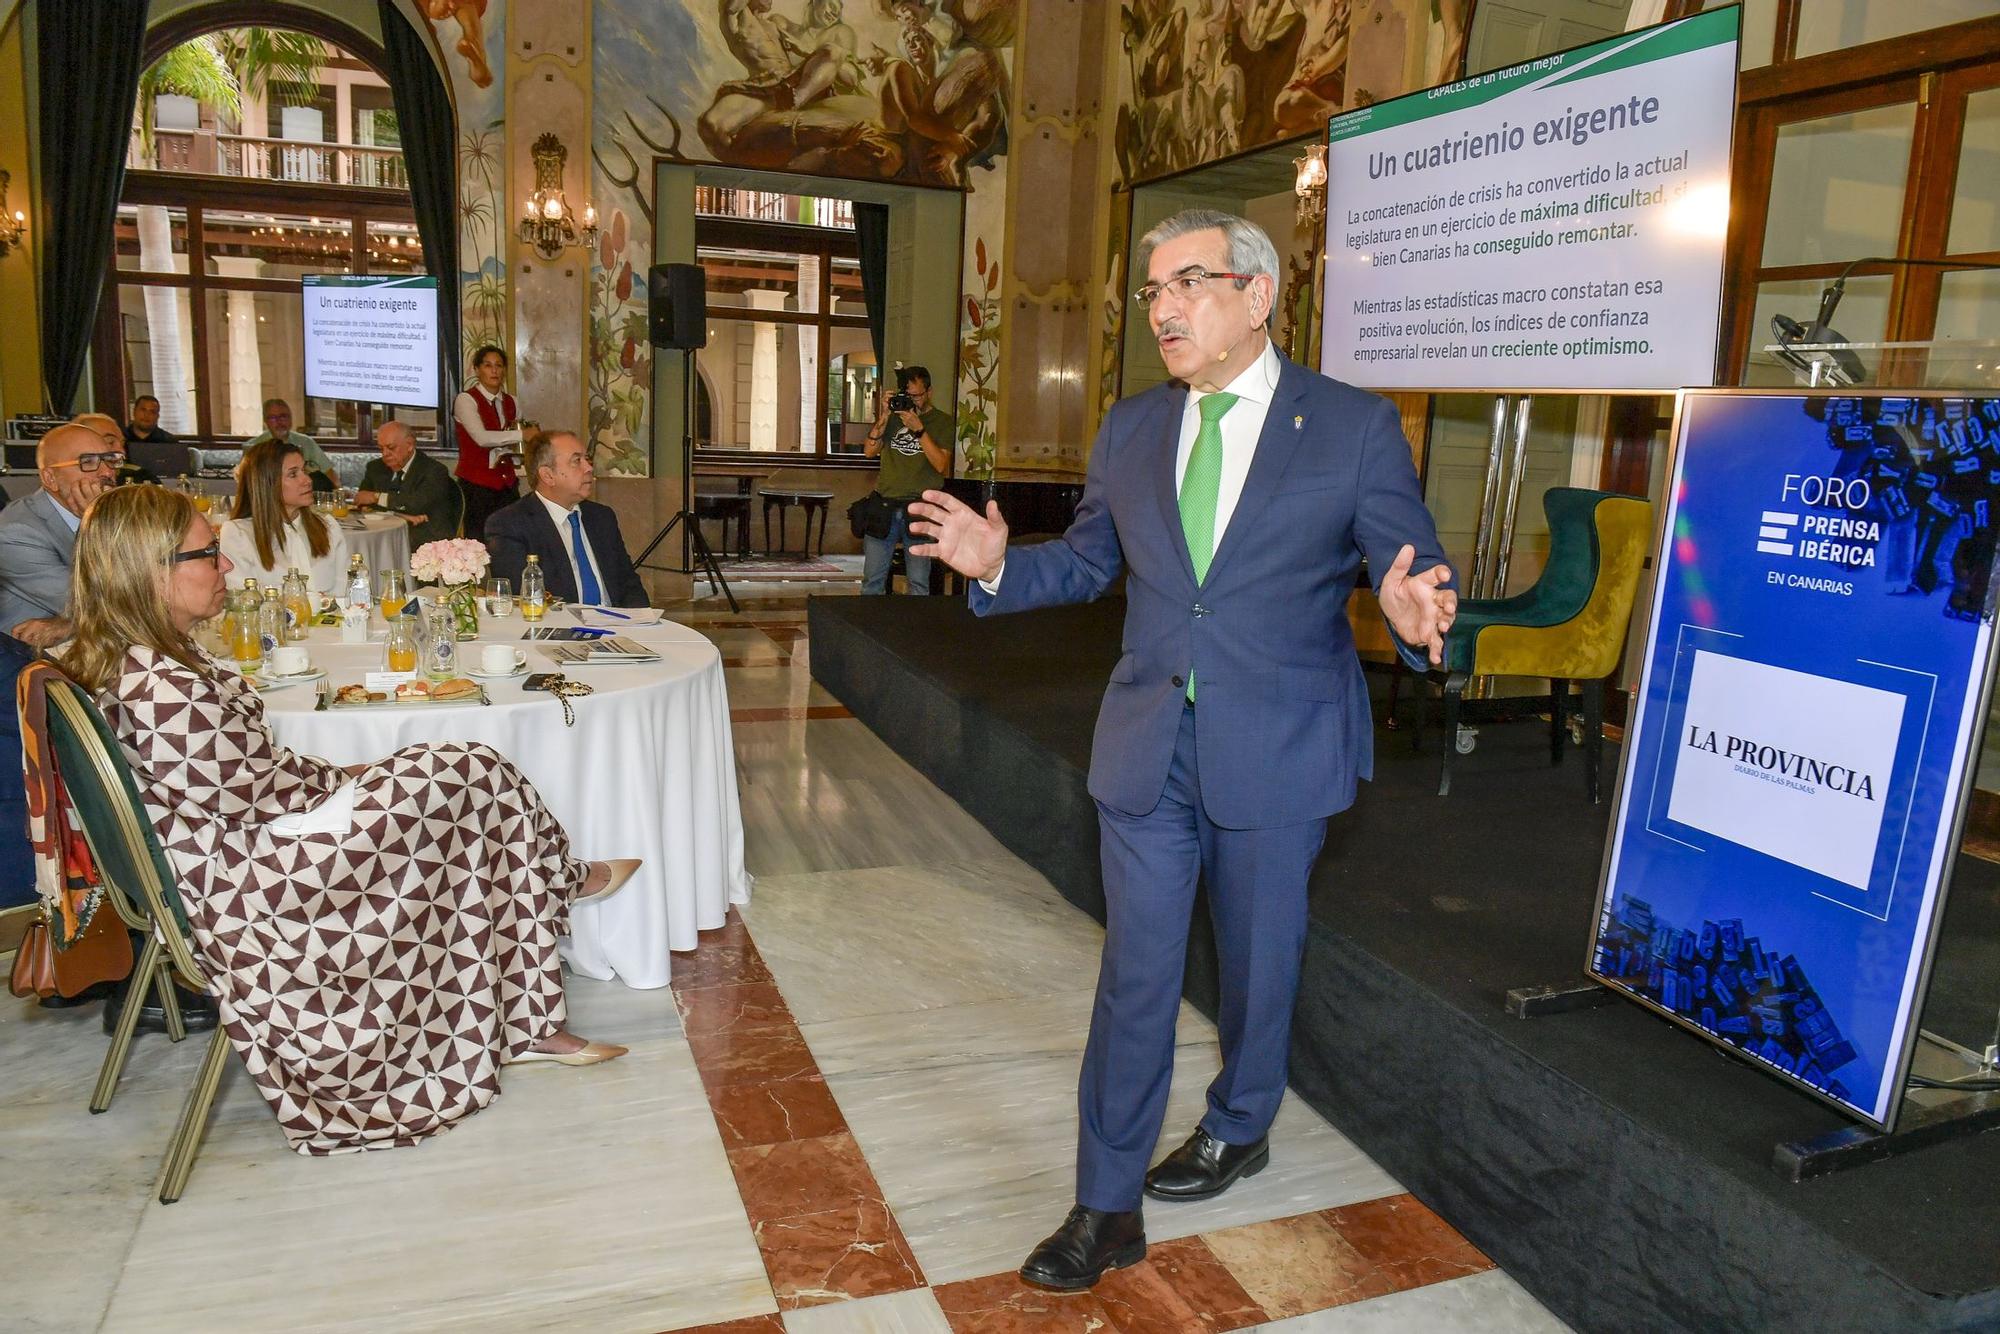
755,662
718,964
774,1112
820,1220
1180,1288
756,1324
758,1056
1003,1304
1406,1241
731,1007
789,713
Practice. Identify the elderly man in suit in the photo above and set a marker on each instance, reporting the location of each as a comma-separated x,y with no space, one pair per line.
38,532
413,485
582,552
1240,501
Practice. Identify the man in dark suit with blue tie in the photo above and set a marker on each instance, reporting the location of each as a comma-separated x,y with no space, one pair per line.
1239,500
581,550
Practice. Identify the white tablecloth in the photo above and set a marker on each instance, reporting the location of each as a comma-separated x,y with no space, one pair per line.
648,771
383,539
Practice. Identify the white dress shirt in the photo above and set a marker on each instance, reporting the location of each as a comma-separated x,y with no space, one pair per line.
1241,425
326,574
560,516
466,413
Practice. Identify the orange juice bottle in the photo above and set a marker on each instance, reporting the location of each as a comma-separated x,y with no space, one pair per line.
401,649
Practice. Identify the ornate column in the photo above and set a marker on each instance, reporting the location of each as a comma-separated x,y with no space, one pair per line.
548,76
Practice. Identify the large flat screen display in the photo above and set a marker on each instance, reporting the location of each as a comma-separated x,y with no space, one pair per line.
372,340
1814,684
1554,225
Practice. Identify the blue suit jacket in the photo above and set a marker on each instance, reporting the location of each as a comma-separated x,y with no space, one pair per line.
1283,728
524,529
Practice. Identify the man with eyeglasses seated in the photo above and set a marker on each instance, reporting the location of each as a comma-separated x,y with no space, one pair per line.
130,470
38,533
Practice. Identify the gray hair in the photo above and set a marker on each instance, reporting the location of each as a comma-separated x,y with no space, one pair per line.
1250,249
401,428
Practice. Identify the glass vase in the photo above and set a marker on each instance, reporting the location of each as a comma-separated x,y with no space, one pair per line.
463,599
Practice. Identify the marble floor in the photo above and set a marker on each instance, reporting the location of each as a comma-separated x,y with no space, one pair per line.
853,1111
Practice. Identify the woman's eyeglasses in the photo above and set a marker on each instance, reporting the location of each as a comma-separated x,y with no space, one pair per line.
209,552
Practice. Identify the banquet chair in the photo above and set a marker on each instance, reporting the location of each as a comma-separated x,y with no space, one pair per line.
457,508
128,858
1569,626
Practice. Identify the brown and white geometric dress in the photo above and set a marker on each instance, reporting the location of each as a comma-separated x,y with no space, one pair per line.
373,980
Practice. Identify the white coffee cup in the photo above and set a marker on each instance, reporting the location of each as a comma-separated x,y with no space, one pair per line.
291,660
496,659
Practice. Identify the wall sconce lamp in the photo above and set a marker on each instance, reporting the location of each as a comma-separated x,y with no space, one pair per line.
1310,185
548,224
12,223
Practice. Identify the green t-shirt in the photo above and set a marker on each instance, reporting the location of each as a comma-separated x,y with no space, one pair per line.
906,470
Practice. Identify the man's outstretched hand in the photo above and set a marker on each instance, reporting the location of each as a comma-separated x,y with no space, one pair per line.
973,545
1417,606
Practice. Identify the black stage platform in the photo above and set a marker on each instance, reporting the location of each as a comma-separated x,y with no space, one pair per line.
1616,1166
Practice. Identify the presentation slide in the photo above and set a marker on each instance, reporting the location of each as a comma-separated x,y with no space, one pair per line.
1801,739
370,339
1553,225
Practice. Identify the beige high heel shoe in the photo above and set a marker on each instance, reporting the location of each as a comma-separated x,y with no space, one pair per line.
591,1053
618,870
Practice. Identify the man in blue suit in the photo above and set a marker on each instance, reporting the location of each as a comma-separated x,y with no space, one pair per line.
1239,501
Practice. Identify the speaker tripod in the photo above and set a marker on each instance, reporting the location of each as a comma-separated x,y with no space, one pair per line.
694,546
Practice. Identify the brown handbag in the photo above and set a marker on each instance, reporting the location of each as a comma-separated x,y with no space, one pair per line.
103,953
34,973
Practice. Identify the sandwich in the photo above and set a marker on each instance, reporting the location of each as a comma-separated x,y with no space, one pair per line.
456,688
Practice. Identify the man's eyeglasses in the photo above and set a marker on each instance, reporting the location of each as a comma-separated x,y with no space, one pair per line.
1187,286
91,462
209,552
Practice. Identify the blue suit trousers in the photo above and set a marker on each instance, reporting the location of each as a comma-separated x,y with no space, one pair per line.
1256,882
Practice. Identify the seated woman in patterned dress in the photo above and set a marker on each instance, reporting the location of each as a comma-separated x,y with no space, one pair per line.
381,939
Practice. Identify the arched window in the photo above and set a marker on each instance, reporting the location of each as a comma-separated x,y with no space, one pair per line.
259,155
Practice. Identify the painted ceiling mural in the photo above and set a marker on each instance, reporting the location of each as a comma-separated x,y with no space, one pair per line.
1202,79
903,90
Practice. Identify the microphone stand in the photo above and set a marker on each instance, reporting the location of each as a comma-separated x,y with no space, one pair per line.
693,544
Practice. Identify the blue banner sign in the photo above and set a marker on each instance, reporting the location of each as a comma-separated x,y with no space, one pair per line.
1814,684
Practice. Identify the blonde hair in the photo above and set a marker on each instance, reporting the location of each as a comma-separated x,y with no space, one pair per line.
260,500
117,599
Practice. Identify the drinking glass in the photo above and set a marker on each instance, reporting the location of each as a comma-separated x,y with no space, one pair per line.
202,500
393,593
499,599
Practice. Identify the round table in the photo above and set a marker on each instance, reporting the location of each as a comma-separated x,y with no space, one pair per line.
649,771
382,539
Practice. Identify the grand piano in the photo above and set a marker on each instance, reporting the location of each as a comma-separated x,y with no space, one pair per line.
1034,504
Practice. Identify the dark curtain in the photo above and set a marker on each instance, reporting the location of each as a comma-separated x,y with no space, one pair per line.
871,232
89,55
430,153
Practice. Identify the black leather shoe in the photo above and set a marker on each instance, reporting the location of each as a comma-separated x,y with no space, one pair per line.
198,1013
1205,1166
1089,1242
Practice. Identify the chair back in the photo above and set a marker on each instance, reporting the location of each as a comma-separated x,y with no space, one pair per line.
455,507
1571,625
113,817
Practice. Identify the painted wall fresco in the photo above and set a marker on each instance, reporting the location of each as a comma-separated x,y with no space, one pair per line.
472,35
905,90
1202,79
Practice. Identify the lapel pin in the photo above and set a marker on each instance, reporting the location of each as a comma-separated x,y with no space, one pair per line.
1298,423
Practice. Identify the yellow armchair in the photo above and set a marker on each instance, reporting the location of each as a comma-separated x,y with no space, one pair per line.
1570,626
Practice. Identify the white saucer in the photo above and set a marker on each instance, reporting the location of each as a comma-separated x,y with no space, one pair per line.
522,670
273,680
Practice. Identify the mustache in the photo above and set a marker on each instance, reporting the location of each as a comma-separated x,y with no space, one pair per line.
1178,328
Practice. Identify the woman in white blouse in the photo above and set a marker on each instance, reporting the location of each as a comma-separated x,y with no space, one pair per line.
275,529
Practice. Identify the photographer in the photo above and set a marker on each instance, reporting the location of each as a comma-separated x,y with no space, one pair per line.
913,440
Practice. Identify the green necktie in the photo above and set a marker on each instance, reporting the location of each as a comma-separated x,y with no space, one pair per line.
1200,486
